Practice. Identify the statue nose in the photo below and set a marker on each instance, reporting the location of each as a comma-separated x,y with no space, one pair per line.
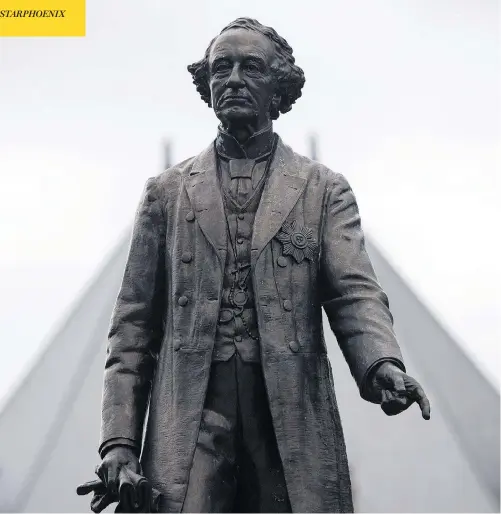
235,79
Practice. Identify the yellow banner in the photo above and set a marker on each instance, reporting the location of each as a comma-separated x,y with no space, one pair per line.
42,18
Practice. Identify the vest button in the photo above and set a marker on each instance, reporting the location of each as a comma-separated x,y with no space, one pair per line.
282,261
287,305
186,257
294,346
225,316
182,301
190,216
238,339
177,345
241,216
240,241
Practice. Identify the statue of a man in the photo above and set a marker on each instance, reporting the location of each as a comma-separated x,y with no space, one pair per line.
216,347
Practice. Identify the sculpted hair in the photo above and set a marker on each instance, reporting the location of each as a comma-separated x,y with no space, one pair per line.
289,76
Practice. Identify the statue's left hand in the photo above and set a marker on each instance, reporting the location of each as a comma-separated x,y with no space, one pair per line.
397,391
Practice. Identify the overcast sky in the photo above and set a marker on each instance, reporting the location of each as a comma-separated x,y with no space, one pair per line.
403,94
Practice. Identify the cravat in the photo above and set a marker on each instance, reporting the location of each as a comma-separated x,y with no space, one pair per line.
241,179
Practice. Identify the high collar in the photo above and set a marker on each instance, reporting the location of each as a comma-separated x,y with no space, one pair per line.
258,145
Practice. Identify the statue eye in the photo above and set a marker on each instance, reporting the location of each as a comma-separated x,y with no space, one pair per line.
221,67
252,67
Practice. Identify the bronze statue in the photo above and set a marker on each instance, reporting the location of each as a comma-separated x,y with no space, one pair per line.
217,370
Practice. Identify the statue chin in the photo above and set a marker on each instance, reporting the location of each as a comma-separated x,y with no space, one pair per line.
237,116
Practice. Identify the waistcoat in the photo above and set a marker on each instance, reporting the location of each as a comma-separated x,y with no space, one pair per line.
237,329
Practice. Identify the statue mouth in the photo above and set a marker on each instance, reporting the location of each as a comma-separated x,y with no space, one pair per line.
235,99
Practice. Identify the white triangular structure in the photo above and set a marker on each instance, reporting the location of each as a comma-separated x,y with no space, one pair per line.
49,428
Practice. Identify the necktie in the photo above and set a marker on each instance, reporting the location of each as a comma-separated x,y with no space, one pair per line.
241,179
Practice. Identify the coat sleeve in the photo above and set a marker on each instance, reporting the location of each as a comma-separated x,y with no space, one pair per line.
356,306
136,328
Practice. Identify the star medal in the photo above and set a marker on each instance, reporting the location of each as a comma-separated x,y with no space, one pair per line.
297,241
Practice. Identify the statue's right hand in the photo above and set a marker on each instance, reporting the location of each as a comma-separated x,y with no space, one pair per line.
106,488
114,460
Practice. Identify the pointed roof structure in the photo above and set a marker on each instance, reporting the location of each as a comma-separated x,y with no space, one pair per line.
50,425
313,144
167,146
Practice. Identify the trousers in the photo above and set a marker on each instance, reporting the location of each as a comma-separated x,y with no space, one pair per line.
236,466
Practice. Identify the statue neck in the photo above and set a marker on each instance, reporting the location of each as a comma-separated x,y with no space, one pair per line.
250,147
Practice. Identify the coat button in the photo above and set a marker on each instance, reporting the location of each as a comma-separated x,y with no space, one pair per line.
190,216
241,216
240,241
238,339
177,345
287,305
294,346
282,261
186,257
182,301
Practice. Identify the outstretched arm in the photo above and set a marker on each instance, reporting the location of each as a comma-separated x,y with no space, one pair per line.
355,304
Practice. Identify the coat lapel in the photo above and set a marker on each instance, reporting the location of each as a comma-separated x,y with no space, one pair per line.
204,192
283,188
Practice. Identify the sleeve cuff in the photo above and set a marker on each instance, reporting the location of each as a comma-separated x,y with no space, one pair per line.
118,441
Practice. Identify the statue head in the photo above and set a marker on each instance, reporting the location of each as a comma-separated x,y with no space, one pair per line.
248,75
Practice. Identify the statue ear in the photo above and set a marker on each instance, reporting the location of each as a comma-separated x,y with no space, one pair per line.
275,104
208,98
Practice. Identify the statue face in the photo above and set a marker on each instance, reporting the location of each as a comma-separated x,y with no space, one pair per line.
242,83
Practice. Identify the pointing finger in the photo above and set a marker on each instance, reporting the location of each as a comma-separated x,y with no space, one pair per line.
423,402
